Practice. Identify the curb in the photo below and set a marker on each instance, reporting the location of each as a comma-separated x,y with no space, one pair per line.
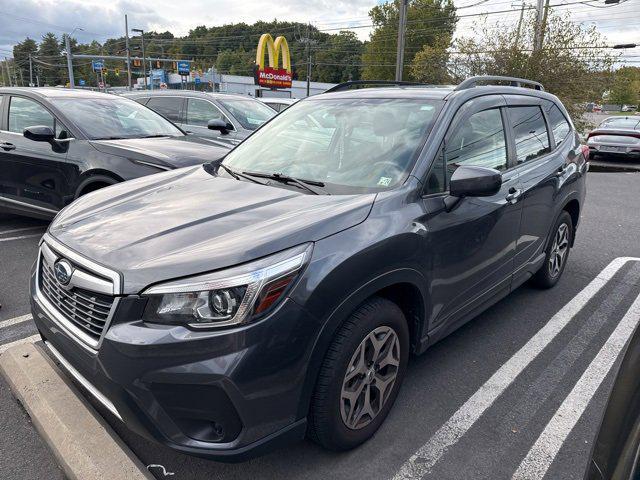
83,443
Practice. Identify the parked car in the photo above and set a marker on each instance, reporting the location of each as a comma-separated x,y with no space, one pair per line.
236,306
616,135
278,104
58,144
219,116
629,108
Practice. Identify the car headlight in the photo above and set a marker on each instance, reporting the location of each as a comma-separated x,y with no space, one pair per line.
226,297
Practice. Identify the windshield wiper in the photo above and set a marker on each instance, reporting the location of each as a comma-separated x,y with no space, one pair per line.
301,182
155,136
237,175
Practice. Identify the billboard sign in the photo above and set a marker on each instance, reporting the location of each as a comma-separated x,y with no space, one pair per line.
270,75
184,67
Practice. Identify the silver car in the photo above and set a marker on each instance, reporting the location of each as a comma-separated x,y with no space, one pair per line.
616,135
219,117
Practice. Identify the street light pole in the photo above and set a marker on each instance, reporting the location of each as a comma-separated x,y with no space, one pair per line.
69,64
402,25
126,40
31,84
144,65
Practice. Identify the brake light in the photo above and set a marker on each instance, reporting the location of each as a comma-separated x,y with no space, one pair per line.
585,151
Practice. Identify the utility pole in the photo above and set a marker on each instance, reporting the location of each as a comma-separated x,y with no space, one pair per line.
144,63
6,64
126,40
2,74
67,43
31,84
308,60
515,46
402,25
537,38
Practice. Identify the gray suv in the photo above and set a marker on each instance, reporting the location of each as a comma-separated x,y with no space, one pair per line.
229,308
212,116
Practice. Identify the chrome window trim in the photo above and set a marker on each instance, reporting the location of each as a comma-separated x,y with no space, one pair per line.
97,394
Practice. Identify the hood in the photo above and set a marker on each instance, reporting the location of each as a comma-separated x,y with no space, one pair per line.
166,152
187,221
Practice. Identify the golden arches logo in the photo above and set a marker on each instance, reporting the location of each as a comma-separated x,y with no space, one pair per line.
273,49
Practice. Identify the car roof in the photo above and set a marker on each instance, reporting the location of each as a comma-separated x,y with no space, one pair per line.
278,100
54,92
186,93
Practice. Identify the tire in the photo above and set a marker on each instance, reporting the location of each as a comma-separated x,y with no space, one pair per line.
550,272
330,411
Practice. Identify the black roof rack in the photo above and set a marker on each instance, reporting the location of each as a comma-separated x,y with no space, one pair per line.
513,81
355,83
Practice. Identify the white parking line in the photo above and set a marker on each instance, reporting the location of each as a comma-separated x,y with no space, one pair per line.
20,237
5,346
15,320
421,462
545,449
16,230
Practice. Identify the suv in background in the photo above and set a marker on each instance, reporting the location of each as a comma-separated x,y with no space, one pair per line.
280,292
217,116
58,144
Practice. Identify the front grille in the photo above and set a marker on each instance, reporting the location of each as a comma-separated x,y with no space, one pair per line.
87,310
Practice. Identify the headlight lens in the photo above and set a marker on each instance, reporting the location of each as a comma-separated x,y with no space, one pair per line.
226,297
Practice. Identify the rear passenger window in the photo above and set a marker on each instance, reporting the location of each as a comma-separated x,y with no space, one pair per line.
557,122
530,132
478,140
168,107
24,112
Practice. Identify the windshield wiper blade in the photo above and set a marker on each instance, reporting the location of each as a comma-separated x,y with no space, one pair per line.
301,182
237,175
155,136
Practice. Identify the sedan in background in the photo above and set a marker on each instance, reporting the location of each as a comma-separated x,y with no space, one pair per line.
58,144
616,136
211,116
278,104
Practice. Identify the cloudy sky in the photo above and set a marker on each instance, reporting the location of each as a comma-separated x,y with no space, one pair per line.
104,19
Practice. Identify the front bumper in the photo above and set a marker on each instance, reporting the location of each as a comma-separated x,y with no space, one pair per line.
225,395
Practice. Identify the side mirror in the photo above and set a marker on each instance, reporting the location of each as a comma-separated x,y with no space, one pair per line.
220,125
39,133
470,181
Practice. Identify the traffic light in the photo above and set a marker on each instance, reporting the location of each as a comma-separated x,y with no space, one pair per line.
157,63
117,72
136,62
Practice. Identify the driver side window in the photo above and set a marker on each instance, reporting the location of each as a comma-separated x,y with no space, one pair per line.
478,140
24,113
199,112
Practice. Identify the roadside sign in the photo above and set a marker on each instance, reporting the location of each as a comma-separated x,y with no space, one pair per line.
101,85
184,67
98,65
82,82
163,86
197,80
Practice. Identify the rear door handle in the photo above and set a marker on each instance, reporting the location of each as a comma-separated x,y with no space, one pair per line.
513,195
561,170
7,146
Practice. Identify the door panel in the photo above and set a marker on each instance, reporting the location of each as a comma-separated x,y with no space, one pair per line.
471,247
538,169
31,171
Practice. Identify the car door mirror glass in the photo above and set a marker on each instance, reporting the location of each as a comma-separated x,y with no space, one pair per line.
39,133
473,181
218,124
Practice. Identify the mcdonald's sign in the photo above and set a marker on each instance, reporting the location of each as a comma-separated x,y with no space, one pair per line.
271,75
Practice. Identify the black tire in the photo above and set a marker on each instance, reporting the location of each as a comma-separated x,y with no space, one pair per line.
546,277
326,424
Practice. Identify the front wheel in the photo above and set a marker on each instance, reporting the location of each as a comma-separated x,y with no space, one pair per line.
557,253
360,376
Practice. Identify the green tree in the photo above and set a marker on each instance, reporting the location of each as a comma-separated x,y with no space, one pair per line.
50,61
337,59
570,64
235,62
21,52
625,89
430,24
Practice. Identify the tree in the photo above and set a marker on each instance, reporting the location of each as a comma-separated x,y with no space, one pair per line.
337,59
430,64
570,64
625,89
50,61
21,52
430,27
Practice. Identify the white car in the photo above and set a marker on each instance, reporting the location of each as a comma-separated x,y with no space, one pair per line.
277,103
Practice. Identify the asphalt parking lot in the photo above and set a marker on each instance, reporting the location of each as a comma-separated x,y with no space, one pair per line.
488,402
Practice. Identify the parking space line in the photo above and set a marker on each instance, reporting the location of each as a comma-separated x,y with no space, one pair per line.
32,339
16,230
20,237
548,444
15,320
421,462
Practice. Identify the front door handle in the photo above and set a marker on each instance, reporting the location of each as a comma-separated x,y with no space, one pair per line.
6,146
513,195
561,170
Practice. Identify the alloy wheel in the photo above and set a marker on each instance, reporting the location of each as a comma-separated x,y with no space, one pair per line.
559,249
370,377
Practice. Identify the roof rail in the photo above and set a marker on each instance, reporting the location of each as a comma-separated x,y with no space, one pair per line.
513,81
354,83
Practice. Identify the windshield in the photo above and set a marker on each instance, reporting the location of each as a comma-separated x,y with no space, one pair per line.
115,117
249,113
360,143
621,123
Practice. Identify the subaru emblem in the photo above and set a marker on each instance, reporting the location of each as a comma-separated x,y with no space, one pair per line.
63,271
